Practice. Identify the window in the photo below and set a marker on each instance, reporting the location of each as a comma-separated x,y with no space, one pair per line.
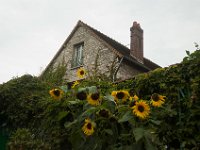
77,59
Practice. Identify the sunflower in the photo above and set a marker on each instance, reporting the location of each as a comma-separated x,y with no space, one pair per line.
75,83
135,98
114,93
82,95
88,127
94,99
56,93
104,113
141,109
157,100
81,72
120,95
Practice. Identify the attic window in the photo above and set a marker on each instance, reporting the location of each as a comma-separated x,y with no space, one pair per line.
77,58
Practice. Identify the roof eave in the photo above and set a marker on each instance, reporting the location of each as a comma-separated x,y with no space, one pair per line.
61,48
137,64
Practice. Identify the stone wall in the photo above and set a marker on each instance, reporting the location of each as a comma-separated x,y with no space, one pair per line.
92,47
126,72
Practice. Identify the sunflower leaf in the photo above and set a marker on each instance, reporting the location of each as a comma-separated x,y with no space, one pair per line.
138,133
77,140
148,144
69,124
109,103
155,122
74,102
122,108
62,114
109,98
127,116
92,89
64,88
81,89
89,111
109,131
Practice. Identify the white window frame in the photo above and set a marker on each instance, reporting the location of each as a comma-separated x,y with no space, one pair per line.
77,59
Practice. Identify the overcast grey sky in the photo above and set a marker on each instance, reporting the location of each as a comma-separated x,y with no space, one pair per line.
32,31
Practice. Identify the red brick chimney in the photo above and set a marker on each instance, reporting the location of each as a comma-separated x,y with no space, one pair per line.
136,45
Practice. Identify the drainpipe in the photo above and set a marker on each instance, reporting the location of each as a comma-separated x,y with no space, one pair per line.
115,73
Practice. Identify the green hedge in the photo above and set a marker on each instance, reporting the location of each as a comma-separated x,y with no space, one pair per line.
35,120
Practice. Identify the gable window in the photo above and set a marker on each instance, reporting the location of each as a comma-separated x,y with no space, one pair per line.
77,59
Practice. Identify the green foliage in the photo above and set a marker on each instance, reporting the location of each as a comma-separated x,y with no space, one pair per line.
180,83
37,120
24,139
54,76
19,98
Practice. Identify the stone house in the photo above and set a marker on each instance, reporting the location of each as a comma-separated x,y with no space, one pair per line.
97,53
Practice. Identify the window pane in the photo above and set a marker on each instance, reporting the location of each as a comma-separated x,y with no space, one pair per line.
77,56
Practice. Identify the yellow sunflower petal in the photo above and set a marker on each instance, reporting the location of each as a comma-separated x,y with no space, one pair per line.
94,99
114,93
81,72
88,127
120,95
75,83
135,97
157,100
56,93
141,109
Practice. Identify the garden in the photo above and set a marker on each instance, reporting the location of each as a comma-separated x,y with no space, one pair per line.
157,110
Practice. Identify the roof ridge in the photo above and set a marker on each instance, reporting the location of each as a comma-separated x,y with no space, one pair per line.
117,47
122,49
103,34
148,62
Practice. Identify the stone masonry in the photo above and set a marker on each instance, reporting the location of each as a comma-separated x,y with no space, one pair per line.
92,46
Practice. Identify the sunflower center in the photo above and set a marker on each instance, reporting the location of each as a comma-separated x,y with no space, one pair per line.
95,96
81,95
155,97
120,95
140,108
56,92
104,113
82,72
89,126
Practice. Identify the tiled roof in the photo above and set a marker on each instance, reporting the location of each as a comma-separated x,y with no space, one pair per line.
148,65
116,45
123,50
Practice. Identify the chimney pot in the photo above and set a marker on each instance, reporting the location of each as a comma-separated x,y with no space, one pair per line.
136,45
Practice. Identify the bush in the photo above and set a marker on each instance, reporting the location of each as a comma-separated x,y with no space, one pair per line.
19,98
88,117
24,139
